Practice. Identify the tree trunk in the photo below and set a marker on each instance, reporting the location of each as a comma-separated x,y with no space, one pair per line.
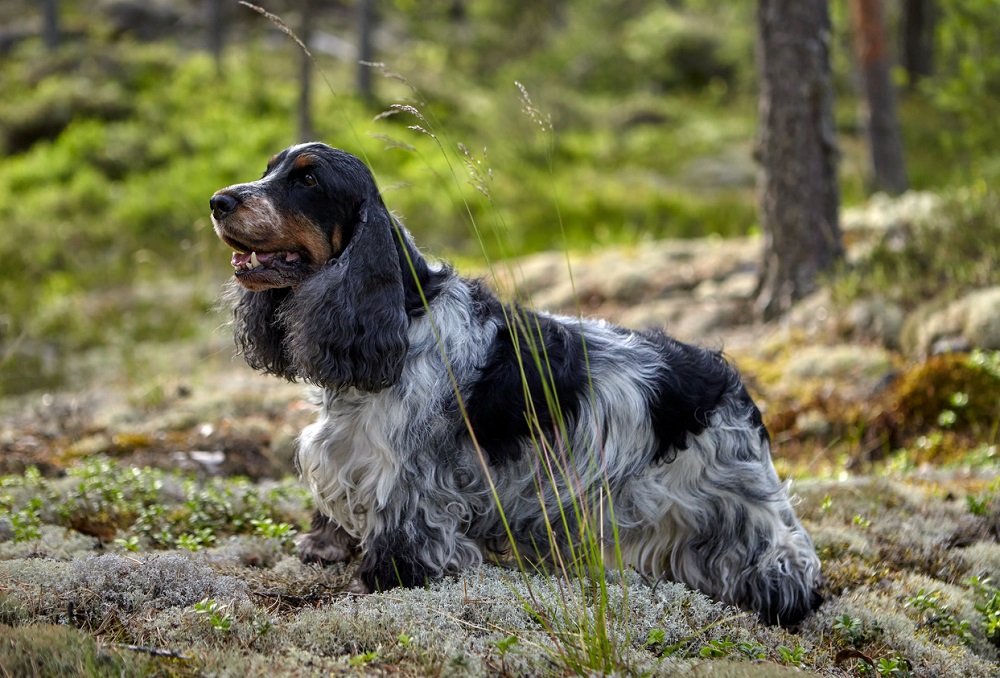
306,132
879,108
366,27
797,150
215,26
50,23
917,40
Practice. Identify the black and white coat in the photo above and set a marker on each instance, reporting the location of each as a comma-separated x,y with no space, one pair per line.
435,395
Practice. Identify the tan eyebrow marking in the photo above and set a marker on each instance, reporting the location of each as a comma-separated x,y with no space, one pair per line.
304,160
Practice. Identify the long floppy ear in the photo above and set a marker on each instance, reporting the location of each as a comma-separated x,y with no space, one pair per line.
259,335
347,323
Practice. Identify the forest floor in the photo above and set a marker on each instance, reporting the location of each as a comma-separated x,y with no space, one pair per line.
149,519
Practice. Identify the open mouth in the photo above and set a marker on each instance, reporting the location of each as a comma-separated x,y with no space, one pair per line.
245,262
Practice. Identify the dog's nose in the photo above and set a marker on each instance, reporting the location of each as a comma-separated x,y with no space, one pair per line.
222,204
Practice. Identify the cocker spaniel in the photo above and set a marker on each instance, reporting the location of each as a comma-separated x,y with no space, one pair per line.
453,425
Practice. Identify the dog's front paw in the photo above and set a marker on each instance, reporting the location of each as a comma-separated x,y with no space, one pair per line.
313,550
357,587
326,543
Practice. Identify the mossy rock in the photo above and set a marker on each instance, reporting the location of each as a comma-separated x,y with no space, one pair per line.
948,393
973,321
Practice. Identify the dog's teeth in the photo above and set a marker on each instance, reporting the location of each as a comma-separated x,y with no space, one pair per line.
253,260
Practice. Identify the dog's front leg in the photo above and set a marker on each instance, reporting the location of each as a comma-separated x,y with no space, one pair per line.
327,542
397,557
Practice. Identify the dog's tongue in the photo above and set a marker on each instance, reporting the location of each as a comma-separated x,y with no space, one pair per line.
240,259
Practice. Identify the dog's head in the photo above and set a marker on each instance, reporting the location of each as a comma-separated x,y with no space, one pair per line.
302,213
316,253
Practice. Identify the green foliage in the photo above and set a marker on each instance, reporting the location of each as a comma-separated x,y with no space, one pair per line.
102,498
850,629
967,83
978,506
988,607
933,612
893,665
215,614
792,656
104,205
717,648
27,520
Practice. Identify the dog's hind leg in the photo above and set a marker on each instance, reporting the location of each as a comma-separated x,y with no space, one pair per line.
718,519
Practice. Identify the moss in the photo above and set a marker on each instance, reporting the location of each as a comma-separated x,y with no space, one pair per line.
937,409
48,650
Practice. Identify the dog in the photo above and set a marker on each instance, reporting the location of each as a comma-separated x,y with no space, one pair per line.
454,427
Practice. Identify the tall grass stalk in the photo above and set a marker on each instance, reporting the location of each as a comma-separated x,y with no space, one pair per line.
583,625
582,628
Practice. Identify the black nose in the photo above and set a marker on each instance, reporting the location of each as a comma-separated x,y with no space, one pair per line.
222,204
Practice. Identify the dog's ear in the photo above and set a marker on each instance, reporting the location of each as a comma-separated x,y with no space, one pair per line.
260,338
347,323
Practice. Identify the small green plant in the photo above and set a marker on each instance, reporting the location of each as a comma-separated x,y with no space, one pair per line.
267,527
130,544
197,540
508,643
978,506
363,658
656,641
850,629
893,666
861,521
827,504
211,610
988,361
791,656
932,612
27,521
947,418
31,477
717,648
505,647
752,651
989,608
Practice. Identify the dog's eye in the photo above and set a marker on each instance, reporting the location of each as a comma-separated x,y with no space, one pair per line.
309,180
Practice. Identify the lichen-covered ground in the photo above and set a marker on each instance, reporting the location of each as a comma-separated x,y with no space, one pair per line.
125,551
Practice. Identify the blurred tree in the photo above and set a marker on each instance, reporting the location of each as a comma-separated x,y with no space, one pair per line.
916,40
879,102
366,28
50,21
305,32
215,25
797,151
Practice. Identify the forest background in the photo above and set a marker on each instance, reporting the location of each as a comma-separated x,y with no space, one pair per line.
113,138
147,511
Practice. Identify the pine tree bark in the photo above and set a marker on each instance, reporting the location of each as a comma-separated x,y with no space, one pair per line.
215,28
916,40
50,23
879,107
798,191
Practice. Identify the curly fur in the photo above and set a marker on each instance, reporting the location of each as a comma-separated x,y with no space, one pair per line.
427,409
